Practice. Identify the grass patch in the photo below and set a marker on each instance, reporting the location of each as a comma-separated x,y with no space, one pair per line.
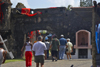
13,60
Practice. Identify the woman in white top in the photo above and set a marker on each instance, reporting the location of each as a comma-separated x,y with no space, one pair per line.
28,52
2,56
70,48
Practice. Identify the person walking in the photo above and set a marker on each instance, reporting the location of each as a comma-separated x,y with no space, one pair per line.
69,46
39,49
62,47
47,43
54,47
2,56
28,52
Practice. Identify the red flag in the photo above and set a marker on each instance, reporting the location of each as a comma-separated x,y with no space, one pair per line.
25,11
1,13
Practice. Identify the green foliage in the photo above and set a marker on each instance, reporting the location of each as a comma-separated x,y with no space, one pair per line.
20,5
86,3
69,6
82,4
13,60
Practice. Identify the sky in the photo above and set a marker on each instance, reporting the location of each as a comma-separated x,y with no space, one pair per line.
35,4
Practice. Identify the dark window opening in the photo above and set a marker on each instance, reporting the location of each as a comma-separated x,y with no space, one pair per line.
82,53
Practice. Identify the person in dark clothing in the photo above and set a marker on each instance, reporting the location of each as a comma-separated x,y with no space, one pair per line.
54,48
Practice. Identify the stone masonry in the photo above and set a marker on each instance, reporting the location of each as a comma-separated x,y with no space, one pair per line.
58,20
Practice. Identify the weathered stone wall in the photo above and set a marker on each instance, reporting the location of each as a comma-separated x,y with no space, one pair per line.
5,28
6,9
58,20
66,22
9,32
18,36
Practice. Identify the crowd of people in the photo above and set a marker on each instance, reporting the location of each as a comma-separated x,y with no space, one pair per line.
41,50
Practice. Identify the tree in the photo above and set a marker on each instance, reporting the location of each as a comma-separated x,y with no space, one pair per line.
85,3
69,6
93,34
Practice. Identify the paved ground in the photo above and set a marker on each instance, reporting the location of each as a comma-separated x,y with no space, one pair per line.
59,63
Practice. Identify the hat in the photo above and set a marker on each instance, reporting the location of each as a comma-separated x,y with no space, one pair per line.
68,39
46,38
62,35
40,37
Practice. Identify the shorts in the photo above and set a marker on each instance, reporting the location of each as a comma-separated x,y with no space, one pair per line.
39,59
54,53
69,51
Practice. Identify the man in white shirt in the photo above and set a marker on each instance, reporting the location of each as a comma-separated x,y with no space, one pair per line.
70,48
39,50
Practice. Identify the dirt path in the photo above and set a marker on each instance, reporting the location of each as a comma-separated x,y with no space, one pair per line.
59,63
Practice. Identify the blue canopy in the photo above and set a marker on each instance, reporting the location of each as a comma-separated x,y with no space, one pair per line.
50,35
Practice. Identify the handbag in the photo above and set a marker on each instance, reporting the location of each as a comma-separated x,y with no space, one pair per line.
66,50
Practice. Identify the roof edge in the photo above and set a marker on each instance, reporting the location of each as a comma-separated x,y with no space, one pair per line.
82,7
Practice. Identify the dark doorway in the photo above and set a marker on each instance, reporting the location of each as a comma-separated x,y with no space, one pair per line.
82,53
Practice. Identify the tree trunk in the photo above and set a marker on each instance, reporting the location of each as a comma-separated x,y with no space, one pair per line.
93,38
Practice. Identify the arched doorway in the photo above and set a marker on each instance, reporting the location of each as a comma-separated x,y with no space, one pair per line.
83,44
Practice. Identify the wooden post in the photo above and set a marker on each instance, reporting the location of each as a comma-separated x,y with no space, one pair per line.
93,37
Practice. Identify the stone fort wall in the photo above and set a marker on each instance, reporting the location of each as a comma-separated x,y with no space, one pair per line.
57,20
